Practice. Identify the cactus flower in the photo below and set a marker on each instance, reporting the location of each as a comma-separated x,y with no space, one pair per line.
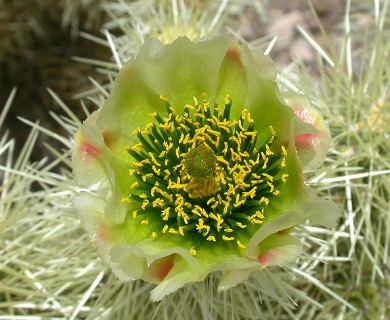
194,165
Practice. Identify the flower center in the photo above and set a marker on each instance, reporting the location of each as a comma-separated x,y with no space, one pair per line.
200,174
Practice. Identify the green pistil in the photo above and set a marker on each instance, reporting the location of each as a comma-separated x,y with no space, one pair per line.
200,174
200,162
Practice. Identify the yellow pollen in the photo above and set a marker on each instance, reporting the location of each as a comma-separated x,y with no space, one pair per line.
135,214
271,186
201,226
225,238
218,219
158,203
144,204
227,99
268,151
240,225
211,238
145,222
264,200
240,244
166,213
269,177
265,164
134,185
137,147
125,200
193,252
284,177
284,151
154,235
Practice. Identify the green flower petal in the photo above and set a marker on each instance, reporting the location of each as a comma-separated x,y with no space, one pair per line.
193,166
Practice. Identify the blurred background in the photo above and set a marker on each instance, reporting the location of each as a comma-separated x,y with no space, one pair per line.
40,38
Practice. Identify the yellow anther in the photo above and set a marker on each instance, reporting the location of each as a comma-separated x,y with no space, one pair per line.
239,203
225,238
151,155
211,238
222,160
144,204
143,196
228,230
253,182
256,176
181,231
134,185
276,192
149,125
145,161
162,98
147,176
145,222
137,147
154,235
218,219
165,228
172,230
231,190
284,151
227,99
195,101
211,200
269,177
240,244
251,193
240,225
271,186
131,172
125,200
273,132
201,115
158,203
264,200
201,226
284,177
226,147
193,252
268,151
265,164
283,163
134,214
241,126
136,130
156,171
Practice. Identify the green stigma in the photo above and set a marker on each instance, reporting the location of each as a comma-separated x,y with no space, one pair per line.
200,162
201,175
